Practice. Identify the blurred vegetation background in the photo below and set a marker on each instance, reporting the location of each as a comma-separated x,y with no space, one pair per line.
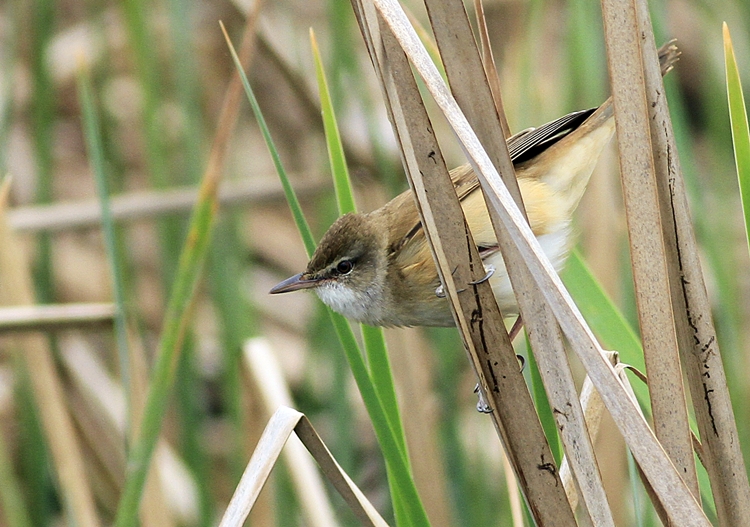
159,71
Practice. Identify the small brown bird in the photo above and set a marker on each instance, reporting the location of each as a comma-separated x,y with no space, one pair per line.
377,268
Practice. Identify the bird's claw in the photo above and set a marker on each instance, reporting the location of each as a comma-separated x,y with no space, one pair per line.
490,270
521,361
482,405
440,291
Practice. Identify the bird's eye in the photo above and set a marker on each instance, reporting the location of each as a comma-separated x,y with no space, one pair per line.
344,267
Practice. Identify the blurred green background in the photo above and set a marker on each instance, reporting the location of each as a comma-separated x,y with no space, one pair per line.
159,71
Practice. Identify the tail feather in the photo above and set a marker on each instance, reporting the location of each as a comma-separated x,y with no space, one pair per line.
669,54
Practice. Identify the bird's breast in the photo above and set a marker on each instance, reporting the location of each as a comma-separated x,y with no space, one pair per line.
556,246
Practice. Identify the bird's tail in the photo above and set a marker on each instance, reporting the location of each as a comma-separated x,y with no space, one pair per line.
669,54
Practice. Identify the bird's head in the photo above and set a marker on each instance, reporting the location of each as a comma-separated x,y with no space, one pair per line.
348,270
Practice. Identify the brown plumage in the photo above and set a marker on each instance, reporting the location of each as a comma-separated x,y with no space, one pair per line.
377,267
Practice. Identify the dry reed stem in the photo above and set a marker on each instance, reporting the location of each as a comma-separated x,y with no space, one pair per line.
472,92
652,494
104,399
281,425
17,289
593,409
460,267
490,70
721,452
647,251
134,206
469,85
266,373
53,317
682,508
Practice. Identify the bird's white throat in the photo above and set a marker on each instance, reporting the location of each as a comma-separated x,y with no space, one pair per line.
362,306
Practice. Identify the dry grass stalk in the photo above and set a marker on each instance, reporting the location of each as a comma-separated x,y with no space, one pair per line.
721,453
593,409
459,264
647,253
17,289
490,70
675,495
105,402
281,425
267,375
54,317
149,204
652,494
471,89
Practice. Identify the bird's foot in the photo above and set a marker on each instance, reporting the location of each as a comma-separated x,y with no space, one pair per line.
522,361
490,270
482,405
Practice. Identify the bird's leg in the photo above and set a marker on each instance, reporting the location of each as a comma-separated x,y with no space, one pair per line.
482,405
440,291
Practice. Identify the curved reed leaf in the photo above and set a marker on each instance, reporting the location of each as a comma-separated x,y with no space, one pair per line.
395,456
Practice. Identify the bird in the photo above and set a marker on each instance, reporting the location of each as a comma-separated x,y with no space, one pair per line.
377,268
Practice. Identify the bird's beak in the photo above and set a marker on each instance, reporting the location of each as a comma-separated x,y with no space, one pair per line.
294,283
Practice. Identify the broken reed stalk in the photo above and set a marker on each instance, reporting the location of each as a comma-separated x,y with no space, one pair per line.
696,334
647,253
490,70
144,205
49,397
471,89
459,263
593,409
280,426
53,317
265,370
680,505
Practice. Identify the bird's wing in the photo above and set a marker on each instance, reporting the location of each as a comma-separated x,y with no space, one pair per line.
530,143
522,146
